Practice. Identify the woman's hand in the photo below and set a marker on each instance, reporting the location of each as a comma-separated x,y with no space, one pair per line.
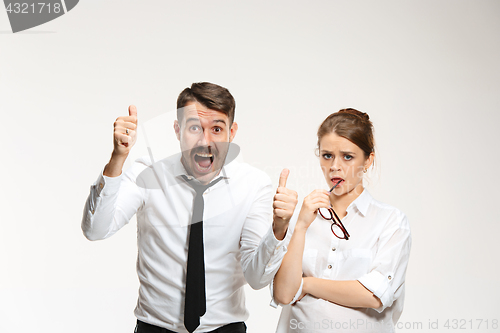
317,199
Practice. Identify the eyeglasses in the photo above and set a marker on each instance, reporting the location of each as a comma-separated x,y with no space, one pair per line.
337,225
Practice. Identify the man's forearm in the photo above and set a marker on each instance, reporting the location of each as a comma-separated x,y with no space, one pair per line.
279,229
99,210
115,165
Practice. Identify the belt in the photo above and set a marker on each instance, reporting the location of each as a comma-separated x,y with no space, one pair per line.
229,328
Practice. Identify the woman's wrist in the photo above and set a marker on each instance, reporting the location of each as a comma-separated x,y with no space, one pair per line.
301,226
306,283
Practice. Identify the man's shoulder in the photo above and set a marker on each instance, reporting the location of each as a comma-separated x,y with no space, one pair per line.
238,170
137,167
145,168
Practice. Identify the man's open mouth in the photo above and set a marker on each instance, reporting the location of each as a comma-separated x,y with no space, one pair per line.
203,161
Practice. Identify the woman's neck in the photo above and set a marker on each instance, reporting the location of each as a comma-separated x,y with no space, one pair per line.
340,203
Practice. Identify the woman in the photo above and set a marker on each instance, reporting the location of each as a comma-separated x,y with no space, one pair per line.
346,262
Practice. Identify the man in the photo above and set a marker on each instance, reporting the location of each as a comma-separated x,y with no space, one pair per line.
203,221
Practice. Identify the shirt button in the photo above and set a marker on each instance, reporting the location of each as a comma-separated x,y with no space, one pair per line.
333,249
389,277
93,211
329,266
101,185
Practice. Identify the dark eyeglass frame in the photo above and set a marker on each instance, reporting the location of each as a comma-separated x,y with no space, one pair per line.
335,221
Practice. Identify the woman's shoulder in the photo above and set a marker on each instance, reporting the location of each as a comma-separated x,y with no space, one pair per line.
392,213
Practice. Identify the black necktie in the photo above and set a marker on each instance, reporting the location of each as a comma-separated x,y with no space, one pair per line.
195,304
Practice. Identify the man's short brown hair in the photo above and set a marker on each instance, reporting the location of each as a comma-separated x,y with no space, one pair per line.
209,95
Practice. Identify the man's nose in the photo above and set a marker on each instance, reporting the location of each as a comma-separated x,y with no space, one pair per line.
204,139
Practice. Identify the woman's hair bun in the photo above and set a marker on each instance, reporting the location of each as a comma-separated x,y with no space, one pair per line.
355,112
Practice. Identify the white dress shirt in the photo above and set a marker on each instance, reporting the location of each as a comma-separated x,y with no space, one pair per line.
376,255
239,241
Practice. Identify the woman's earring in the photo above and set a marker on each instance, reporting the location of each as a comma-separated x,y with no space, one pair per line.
365,170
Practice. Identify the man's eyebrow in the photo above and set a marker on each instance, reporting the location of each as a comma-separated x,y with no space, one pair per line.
192,119
198,120
219,121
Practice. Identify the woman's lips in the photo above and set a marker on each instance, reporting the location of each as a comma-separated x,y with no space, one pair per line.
337,180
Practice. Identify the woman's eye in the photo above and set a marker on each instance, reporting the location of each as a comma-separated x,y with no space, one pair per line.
327,156
348,157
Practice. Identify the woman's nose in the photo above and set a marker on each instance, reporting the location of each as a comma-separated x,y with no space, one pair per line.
335,166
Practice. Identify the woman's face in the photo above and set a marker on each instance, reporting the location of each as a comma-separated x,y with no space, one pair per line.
341,160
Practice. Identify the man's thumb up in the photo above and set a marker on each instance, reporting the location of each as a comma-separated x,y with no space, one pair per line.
132,110
283,177
284,204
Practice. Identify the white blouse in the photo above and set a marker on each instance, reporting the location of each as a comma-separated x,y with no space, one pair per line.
376,255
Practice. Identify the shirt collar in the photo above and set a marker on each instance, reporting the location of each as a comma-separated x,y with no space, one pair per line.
362,202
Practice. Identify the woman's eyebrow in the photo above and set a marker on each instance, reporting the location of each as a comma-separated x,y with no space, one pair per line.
342,152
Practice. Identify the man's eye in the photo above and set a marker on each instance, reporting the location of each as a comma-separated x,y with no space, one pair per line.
217,129
327,156
194,128
348,157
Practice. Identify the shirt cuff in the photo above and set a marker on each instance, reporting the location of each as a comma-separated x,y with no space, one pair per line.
378,284
274,304
276,248
107,185
274,245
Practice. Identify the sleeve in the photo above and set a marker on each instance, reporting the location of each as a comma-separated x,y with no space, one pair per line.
261,252
111,204
387,276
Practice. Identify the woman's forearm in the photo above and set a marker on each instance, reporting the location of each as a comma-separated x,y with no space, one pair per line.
347,293
289,277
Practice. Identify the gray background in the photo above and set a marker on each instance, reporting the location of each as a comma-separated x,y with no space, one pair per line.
427,72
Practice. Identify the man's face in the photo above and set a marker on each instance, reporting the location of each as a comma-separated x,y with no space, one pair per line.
204,136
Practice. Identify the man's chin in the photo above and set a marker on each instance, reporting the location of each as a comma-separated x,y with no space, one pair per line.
205,175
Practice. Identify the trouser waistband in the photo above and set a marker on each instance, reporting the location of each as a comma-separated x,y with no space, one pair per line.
143,327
